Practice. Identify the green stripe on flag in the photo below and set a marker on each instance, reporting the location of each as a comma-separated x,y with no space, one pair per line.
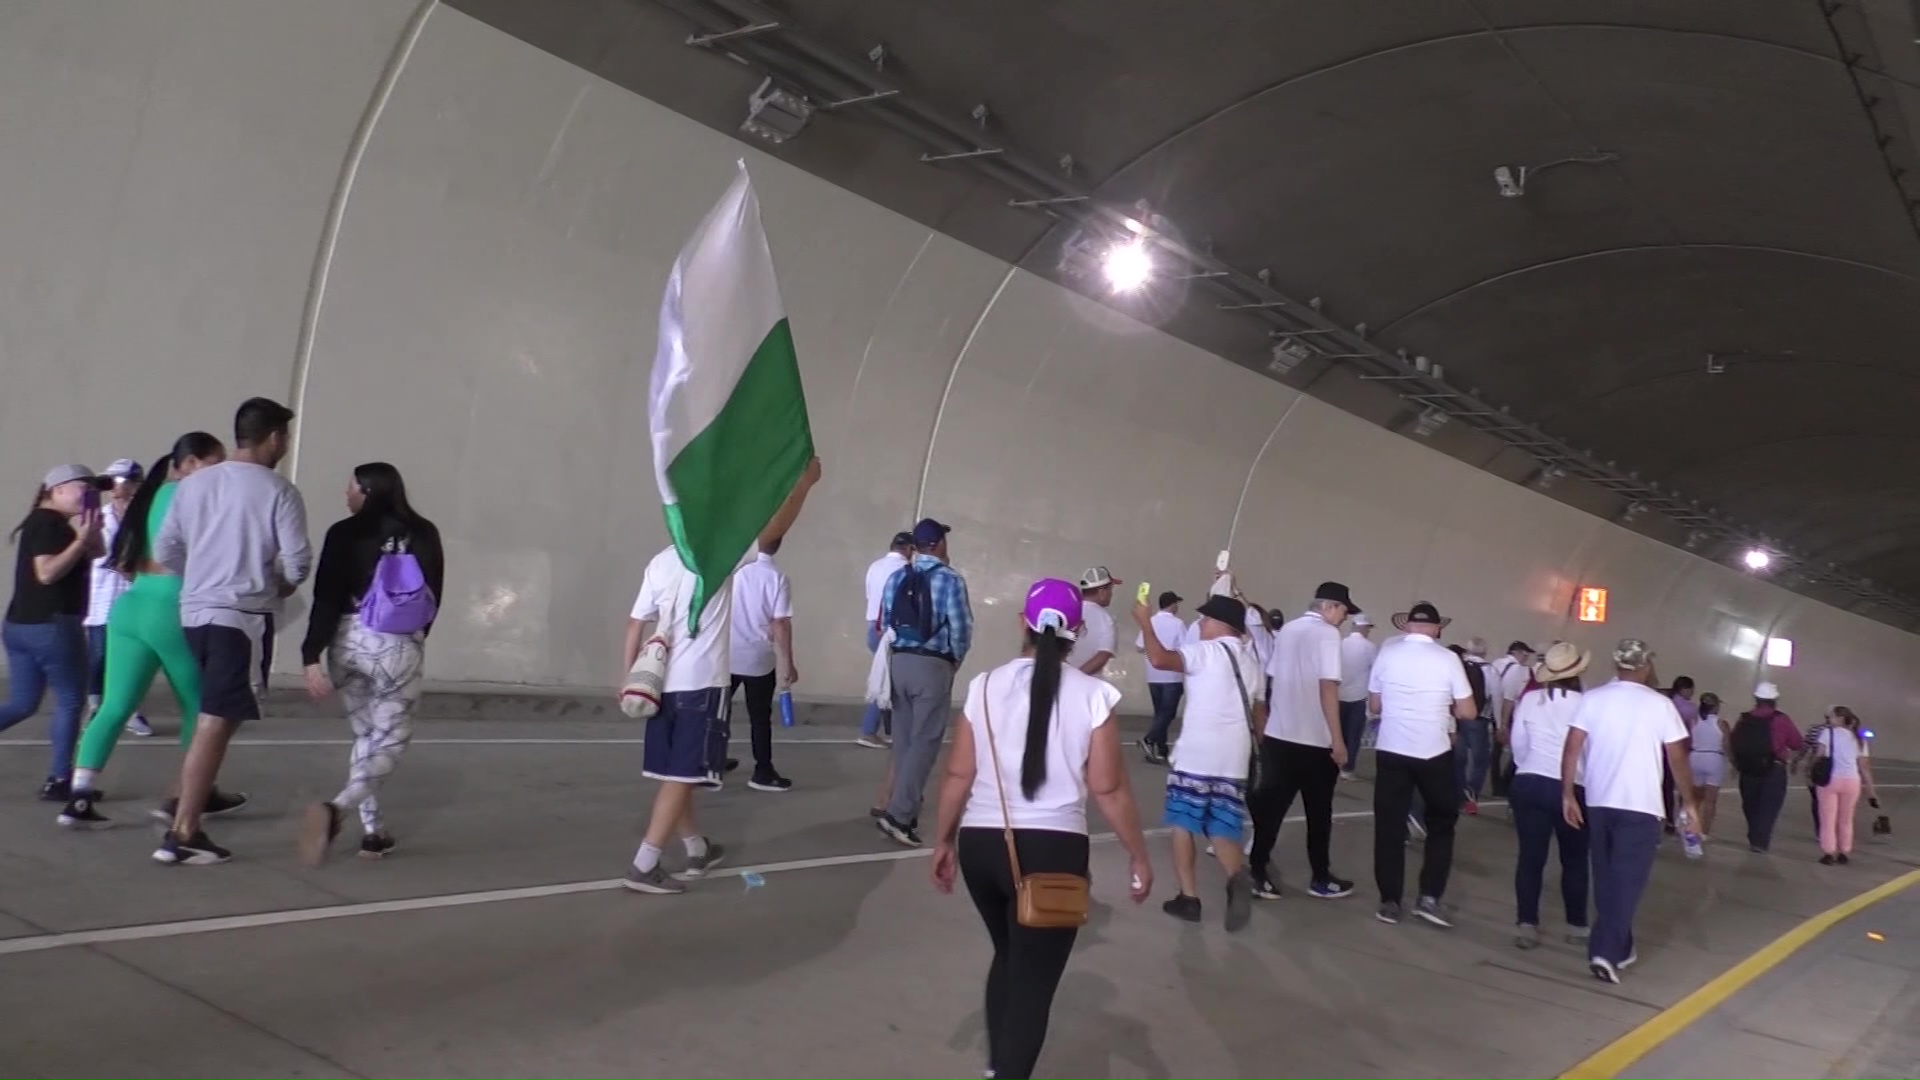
731,477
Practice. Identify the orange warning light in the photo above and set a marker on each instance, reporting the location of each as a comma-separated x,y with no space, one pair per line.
1590,604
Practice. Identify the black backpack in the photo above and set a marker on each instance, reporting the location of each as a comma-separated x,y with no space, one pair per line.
1477,682
912,616
1751,745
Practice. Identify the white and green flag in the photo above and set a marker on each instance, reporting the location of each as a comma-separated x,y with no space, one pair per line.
729,419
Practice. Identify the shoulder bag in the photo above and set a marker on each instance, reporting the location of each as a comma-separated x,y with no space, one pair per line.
1256,714
1053,901
1822,771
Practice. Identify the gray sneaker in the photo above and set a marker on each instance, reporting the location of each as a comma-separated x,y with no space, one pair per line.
653,881
1239,900
697,868
1578,935
1429,909
1526,936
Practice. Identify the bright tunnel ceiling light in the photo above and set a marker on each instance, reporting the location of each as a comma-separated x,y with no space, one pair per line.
1757,559
1128,266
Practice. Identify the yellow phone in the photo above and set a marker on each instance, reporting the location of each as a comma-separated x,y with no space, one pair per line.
1145,590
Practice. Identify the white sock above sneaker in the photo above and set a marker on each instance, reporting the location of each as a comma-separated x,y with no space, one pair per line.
696,846
83,779
647,859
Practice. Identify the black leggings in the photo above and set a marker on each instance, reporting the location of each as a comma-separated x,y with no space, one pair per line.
1027,963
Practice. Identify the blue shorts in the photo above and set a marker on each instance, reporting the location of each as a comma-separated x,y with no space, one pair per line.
687,738
1209,806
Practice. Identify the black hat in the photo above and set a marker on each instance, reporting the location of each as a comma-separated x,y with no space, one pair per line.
1227,610
1424,613
1336,592
1169,598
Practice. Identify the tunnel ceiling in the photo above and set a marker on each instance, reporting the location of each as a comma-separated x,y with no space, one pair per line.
1759,201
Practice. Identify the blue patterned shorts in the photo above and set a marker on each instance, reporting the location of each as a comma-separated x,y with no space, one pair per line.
1208,806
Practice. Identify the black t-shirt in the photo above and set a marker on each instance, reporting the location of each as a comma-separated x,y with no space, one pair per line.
46,532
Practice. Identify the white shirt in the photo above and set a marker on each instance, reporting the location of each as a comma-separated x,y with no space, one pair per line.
877,575
1170,630
1059,804
666,592
1540,723
1418,680
761,594
1845,748
1356,663
107,584
1215,739
1628,727
1510,680
1306,652
1259,639
1191,635
1096,635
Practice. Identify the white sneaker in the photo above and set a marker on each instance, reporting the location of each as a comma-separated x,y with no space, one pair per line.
871,742
139,726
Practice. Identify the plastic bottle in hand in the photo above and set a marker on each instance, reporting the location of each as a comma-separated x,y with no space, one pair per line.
1690,837
786,708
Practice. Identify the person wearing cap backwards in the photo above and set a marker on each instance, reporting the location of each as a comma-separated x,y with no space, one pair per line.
1094,647
1165,687
1763,777
1207,786
54,546
1357,651
126,475
1618,736
1302,745
1419,690
876,724
925,604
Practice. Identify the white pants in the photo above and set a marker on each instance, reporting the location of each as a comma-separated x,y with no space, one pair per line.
378,679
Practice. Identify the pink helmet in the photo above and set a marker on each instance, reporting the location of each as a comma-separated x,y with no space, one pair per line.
1054,603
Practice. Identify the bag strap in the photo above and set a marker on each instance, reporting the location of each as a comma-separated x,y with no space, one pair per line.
999,785
1246,704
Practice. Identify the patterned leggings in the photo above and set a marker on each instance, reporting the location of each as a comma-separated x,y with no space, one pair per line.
378,679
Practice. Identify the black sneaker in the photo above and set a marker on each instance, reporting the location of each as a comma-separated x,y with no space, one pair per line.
1429,909
56,790
1389,912
318,832
1842,859
80,814
732,764
218,803
195,851
1239,901
375,845
1265,888
1183,907
904,835
1826,860
769,781
1331,888
1156,754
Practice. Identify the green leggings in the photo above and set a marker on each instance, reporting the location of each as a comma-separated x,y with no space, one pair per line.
143,638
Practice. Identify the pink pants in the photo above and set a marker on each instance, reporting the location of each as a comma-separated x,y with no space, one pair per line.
1837,801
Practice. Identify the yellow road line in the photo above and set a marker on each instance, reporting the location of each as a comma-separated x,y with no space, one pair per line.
1636,1044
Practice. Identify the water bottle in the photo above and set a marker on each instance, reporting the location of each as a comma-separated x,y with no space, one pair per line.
1690,837
786,708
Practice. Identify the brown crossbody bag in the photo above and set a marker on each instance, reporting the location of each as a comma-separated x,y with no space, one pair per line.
1052,901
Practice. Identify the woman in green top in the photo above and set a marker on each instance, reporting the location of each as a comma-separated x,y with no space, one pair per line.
143,628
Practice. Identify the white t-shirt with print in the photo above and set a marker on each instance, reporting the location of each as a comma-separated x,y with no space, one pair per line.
666,592
1306,651
761,594
1215,739
1096,634
1628,728
1170,630
1418,680
1059,804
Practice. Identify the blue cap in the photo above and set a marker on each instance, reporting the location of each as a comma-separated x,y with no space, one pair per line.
929,532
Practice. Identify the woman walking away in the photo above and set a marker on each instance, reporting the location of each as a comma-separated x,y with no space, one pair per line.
1841,757
144,636
375,596
1708,758
1038,737
1538,735
46,646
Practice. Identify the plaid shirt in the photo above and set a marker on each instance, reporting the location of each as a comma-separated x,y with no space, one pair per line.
953,612
107,583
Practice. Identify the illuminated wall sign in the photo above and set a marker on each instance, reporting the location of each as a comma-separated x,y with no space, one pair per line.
1747,643
1590,604
1779,652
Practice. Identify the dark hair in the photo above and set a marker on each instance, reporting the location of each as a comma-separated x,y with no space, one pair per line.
1684,682
132,544
257,420
1709,704
1049,653
39,496
1568,685
385,496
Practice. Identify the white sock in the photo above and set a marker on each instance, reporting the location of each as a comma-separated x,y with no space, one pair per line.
696,846
83,779
647,858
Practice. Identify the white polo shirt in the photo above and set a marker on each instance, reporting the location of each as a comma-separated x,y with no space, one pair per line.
1418,680
1168,628
1356,663
761,594
877,575
666,592
1512,678
1306,652
1096,635
1628,727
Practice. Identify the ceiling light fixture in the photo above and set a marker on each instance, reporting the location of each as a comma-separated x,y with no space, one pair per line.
1289,353
1430,420
775,114
1756,559
1128,266
1511,180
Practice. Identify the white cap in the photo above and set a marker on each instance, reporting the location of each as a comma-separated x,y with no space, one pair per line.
1766,691
1363,620
1098,577
123,469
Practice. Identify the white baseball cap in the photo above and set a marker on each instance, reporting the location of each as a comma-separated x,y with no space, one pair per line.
1098,577
1363,619
1766,691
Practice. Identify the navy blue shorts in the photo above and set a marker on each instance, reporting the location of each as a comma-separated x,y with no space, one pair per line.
228,659
687,738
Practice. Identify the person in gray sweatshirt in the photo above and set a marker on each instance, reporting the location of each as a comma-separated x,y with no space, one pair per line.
237,536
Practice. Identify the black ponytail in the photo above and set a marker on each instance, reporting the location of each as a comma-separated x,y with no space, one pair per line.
1049,653
39,496
132,545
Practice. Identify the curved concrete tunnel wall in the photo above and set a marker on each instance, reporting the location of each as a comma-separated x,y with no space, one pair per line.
487,325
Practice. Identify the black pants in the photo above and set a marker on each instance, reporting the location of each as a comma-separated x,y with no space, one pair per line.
1813,800
759,716
1295,769
1396,778
1027,963
1761,797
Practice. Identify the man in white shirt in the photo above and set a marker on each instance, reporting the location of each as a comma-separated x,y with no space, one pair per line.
686,740
1509,682
1620,735
108,584
1095,645
1476,742
876,724
1357,651
762,641
1419,689
1302,745
1164,687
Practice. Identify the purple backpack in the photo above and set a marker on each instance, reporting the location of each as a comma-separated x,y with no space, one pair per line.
398,601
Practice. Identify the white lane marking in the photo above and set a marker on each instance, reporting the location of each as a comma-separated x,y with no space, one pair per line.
456,742
151,931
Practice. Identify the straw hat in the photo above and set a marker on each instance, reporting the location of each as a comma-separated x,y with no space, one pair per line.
1562,660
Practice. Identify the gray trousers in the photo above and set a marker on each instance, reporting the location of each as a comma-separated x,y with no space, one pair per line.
922,700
